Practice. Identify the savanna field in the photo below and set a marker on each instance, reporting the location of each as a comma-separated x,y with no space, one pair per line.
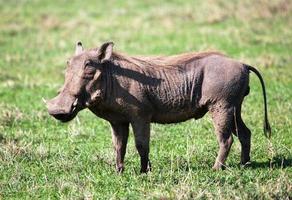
41,158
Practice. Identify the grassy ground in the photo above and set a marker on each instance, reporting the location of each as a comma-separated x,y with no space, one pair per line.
42,158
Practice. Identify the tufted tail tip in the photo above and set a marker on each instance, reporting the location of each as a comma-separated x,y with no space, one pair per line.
267,129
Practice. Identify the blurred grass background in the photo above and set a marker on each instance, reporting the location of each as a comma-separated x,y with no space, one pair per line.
41,158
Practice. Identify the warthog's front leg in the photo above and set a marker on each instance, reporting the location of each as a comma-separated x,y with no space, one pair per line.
120,133
142,136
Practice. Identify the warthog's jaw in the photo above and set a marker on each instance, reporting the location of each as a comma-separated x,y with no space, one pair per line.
65,117
63,114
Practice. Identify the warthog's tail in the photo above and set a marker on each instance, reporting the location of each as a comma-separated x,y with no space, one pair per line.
267,127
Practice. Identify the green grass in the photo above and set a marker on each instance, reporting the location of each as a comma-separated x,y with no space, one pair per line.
42,158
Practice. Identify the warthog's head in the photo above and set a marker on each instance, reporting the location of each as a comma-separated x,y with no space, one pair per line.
83,82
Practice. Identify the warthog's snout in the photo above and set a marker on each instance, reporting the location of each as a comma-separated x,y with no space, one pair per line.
63,108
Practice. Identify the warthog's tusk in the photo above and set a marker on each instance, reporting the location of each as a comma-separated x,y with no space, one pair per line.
75,102
74,108
45,101
74,105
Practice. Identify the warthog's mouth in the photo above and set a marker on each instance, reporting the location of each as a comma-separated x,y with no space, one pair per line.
65,115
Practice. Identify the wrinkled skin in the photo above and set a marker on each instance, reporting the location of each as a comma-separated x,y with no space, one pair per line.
138,91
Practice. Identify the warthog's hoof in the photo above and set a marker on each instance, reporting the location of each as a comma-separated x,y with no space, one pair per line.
218,167
148,169
244,165
120,169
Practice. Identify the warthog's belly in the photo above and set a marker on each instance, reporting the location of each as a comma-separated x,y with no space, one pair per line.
178,116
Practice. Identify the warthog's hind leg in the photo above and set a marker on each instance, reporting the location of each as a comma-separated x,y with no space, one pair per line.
244,136
223,122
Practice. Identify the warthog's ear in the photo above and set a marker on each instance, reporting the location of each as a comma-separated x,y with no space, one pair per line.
105,51
79,48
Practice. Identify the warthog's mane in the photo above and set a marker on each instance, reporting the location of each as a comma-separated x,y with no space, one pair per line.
161,61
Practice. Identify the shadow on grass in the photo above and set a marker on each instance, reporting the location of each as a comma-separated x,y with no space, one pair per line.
277,162
182,164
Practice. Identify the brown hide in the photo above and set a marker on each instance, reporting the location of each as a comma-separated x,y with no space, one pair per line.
138,90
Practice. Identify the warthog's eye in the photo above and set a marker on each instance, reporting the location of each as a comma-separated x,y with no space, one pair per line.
89,70
88,76
88,63
89,67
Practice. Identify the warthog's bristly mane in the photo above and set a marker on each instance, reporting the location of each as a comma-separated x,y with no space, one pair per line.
161,61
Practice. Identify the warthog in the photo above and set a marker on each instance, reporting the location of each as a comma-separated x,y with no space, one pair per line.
138,90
